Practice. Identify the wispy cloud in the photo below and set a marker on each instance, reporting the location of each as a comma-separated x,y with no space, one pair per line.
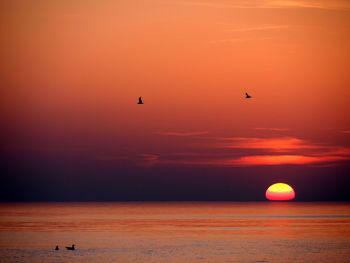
318,4
271,144
262,160
149,160
170,133
240,151
346,131
338,151
239,40
144,159
249,38
245,151
272,4
111,157
216,4
259,28
272,129
231,40
285,159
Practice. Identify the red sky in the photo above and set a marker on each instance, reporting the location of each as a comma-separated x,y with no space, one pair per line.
73,70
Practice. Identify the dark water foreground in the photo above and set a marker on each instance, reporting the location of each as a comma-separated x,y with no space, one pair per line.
175,232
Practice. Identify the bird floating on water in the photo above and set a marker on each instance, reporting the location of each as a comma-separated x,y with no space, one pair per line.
56,248
140,101
71,248
247,96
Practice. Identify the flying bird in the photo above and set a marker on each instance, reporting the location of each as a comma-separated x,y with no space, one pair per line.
140,101
247,96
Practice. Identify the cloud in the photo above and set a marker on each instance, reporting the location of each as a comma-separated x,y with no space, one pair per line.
285,159
317,4
182,133
259,28
148,160
341,151
240,152
144,159
271,129
346,131
215,4
231,40
244,151
263,160
272,144
111,157
48,149
273,4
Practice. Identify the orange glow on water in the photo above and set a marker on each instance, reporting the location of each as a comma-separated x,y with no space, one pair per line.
280,192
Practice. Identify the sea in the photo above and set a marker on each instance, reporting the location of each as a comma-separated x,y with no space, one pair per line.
175,232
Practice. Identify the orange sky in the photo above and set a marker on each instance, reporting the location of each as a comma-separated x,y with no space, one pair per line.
73,71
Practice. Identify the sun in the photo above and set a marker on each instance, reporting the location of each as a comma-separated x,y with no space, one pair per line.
280,192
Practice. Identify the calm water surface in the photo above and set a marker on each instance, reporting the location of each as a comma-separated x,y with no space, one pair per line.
175,232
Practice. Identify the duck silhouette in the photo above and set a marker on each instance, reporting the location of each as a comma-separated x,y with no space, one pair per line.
71,248
247,96
140,101
56,248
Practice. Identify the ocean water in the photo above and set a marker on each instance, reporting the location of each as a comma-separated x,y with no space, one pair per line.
175,232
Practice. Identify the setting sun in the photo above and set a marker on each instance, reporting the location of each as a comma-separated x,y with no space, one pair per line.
280,192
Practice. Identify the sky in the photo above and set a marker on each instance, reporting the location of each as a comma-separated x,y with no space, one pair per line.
72,72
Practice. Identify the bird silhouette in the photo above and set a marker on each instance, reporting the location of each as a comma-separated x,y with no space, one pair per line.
140,101
56,248
247,96
71,248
